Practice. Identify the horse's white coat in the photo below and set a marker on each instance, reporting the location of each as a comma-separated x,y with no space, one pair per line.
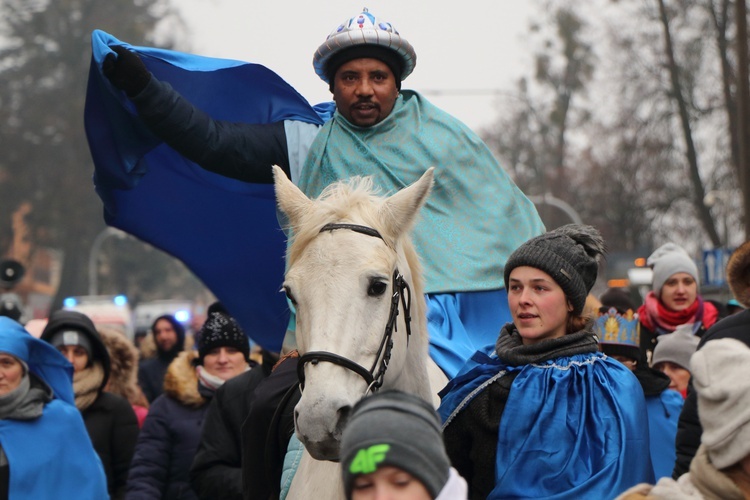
329,276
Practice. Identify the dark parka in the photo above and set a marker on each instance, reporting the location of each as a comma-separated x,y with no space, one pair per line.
151,371
217,468
170,436
110,420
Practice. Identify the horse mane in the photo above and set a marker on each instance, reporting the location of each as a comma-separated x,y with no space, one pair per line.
358,201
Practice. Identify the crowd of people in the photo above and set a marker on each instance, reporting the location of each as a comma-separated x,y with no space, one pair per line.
560,390
641,398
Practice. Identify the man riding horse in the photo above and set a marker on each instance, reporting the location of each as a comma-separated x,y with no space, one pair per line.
475,217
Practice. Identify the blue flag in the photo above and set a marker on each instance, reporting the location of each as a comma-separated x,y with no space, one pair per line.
224,230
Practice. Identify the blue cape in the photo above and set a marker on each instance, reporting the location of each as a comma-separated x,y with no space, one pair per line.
572,427
43,360
663,414
50,456
224,230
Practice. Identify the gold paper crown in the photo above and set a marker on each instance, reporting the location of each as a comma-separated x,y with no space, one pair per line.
615,328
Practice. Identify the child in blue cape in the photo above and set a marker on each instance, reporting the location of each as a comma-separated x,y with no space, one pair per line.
545,415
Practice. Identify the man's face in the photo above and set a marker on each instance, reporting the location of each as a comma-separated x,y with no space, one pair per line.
365,91
164,335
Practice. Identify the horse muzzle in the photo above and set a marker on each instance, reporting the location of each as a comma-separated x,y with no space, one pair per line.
319,427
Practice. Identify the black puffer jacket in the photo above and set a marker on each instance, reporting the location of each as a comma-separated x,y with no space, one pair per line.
170,435
217,468
110,420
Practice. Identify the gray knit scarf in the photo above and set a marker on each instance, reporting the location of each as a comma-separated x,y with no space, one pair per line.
510,348
25,402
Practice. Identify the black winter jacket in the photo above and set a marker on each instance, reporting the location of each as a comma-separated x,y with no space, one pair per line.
267,430
113,428
216,472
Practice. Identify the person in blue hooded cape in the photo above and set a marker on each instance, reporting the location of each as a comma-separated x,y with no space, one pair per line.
144,110
544,414
45,450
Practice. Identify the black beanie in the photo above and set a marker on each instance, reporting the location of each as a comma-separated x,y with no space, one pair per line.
219,330
393,428
619,299
390,57
569,254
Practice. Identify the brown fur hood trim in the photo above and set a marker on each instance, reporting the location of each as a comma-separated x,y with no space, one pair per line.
123,378
738,274
181,380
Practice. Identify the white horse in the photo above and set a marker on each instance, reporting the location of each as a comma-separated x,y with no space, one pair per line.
355,281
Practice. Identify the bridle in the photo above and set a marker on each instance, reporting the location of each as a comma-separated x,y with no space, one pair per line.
373,376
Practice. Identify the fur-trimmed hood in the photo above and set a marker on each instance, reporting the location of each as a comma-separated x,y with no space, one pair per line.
181,380
738,274
123,378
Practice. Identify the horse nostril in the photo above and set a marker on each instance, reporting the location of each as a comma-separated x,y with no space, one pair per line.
343,417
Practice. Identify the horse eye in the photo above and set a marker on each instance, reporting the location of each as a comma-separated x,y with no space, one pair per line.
376,288
289,295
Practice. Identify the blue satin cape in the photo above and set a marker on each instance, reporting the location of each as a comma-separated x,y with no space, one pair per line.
50,456
224,230
572,428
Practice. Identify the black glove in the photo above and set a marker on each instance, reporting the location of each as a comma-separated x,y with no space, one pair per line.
126,71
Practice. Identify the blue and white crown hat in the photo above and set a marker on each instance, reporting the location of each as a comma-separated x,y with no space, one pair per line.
615,328
364,28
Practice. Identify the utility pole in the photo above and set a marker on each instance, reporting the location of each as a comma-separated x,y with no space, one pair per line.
743,110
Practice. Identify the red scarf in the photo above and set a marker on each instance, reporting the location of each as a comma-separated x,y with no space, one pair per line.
657,317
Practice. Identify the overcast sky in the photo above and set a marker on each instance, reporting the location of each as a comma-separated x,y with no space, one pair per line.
461,46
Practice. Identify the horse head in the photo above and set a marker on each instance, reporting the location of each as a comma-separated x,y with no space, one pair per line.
353,278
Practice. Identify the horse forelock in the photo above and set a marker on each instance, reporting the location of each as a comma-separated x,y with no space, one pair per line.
358,201
355,200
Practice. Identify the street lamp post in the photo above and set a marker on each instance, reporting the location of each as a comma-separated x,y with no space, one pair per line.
549,199
94,256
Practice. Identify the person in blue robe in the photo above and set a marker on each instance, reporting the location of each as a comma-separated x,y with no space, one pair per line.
544,414
618,329
153,126
45,450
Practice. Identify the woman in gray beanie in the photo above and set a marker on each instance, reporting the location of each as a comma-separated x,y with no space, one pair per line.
674,299
392,445
546,414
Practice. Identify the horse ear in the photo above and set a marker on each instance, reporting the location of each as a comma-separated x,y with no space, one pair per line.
399,212
291,200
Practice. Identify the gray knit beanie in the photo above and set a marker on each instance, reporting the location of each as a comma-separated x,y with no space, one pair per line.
569,254
396,429
667,260
676,347
71,337
721,378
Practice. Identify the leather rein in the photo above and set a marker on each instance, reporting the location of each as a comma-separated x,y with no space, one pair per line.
401,293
